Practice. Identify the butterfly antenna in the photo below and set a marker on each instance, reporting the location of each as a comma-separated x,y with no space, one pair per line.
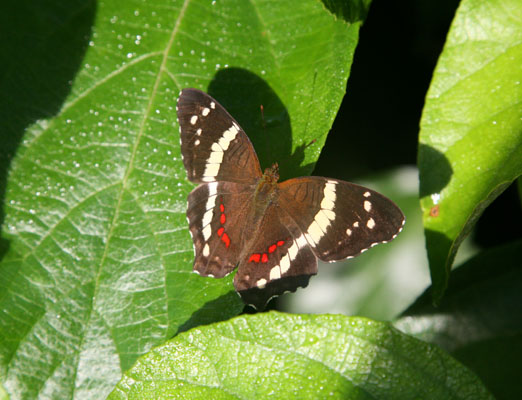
263,122
265,137
311,143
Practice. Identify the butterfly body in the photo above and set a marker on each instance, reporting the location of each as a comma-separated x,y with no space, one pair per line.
273,232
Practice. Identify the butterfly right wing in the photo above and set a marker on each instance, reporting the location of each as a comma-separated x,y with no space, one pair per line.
213,145
339,219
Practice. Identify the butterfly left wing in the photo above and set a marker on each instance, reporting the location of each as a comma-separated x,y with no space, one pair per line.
216,221
278,259
213,145
339,219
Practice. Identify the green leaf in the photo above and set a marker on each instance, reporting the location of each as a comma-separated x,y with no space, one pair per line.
478,320
97,264
3,393
301,357
471,129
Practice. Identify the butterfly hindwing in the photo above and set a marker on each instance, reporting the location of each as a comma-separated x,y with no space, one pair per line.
216,217
277,259
339,219
213,145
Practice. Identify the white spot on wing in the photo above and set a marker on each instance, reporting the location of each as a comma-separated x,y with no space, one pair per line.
329,196
322,220
206,250
285,264
292,251
301,241
216,154
329,214
371,223
216,157
314,230
209,213
193,119
367,206
207,217
216,147
212,189
211,171
224,143
275,273
367,194
207,231
198,132
205,111
310,239
261,283
212,105
348,232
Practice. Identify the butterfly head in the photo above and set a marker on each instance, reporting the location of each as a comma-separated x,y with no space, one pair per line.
271,175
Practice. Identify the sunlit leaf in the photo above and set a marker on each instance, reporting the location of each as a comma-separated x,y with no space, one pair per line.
298,356
97,264
471,130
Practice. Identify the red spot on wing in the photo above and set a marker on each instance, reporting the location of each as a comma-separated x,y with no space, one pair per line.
280,243
221,231
264,258
272,248
225,239
254,257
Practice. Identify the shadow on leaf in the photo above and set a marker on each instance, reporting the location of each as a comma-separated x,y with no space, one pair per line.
435,170
211,311
351,11
263,116
42,49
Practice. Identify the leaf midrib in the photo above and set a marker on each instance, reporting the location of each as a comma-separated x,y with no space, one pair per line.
123,187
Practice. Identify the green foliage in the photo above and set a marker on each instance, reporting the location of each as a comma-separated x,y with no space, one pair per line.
298,356
98,256
478,320
95,254
471,130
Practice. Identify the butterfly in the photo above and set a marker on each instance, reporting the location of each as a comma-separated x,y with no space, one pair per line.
272,232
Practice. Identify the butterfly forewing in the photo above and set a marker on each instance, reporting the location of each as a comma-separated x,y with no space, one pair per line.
213,145
339,219
278,259
216,219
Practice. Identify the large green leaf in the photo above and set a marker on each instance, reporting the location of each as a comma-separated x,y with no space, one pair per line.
98,258
478,321
285,356
471,129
